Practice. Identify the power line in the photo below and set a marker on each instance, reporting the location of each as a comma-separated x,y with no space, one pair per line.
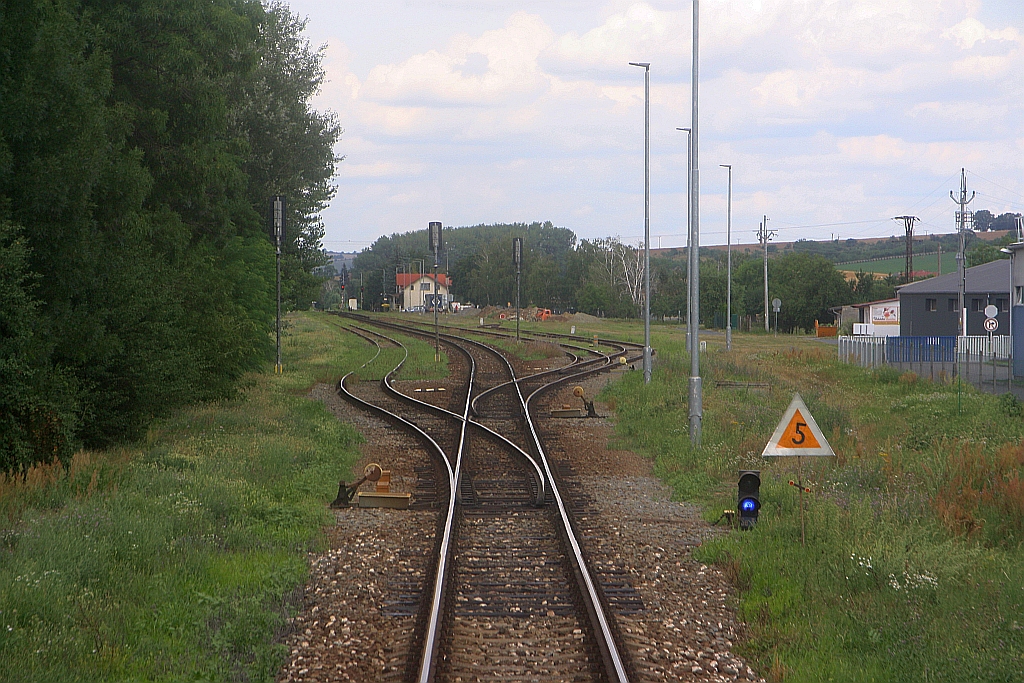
996,184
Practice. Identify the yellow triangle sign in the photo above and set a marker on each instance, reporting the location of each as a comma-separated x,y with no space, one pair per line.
797,433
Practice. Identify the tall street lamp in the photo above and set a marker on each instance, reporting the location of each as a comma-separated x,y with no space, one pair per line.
728,270
689,280
696,408
647,218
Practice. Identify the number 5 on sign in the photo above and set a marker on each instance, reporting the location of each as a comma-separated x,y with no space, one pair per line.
797,433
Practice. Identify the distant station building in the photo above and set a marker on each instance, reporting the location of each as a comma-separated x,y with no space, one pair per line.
930,308
416,290
877,318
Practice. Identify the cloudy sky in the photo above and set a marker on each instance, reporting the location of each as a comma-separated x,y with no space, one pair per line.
835,114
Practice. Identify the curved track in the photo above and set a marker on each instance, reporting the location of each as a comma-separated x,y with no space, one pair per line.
512,596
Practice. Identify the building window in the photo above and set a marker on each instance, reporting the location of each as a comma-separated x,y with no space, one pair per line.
952,304
930,305
1003,304
424,286
977,305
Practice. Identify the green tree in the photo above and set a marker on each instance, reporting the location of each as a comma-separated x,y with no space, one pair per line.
131,159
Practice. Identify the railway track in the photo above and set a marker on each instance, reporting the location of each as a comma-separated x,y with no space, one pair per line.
512,595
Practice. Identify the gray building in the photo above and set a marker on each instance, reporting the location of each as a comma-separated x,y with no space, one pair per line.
1017,282
931,307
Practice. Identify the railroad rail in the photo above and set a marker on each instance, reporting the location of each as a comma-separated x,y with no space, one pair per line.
508,566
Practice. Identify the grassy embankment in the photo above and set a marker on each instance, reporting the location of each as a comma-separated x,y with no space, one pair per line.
913,568
175,558
897,264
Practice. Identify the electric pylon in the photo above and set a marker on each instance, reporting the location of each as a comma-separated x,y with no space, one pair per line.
908,222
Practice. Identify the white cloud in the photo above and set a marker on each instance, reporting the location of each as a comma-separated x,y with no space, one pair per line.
827,109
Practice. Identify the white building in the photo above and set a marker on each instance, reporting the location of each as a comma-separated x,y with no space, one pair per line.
878,318
416,290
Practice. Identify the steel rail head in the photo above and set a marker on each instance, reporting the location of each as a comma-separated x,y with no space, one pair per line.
445,546
538,473
606,640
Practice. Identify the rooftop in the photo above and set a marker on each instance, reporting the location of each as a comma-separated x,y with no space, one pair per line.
984,279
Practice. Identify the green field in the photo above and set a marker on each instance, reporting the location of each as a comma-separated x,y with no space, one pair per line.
928,262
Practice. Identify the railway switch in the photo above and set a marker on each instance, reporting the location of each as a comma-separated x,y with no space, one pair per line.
371,472
587,405
749,503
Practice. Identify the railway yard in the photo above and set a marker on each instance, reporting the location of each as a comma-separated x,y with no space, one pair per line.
609,591
572,548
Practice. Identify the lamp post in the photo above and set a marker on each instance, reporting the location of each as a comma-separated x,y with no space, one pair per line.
696,408
689,280
728,269
1012,300
647,218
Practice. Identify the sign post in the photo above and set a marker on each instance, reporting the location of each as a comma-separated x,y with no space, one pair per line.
991,325
798,434
776,306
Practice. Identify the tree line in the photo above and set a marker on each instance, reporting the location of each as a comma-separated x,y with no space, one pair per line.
140,143
604,276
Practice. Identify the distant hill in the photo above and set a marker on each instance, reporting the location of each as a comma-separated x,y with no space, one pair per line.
873,254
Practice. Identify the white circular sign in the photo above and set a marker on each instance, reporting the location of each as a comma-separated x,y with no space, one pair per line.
776,304
991,324
991,311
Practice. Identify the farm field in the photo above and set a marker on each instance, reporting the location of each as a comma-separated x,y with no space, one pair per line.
926,262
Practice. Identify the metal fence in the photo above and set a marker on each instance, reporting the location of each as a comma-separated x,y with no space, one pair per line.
866,352
979,360
870,352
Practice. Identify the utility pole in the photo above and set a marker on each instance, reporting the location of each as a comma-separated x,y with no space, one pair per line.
964,224
940,259
908,222
728,269
763,235
696,393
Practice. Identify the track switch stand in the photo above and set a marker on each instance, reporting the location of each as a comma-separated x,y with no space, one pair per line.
371,472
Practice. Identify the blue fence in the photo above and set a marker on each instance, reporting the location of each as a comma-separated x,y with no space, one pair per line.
920,349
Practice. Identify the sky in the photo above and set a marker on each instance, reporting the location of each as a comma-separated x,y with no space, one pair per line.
836,115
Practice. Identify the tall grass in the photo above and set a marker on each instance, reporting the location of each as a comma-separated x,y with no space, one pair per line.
175,558
913,567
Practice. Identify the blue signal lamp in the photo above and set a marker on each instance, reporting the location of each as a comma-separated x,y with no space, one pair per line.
749,500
